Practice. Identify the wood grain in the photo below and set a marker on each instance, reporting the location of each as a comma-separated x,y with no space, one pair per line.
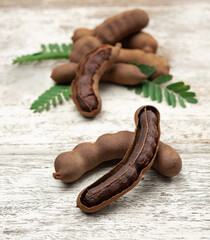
33,205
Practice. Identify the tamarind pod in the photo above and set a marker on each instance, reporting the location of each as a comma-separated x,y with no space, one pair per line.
115,28
82,46
140,40
81,32
92,66
128,172
64,73
124,74
140,57
119,73
70,166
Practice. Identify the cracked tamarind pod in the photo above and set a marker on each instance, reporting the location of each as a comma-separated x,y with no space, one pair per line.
92,66
70,166
111,31
128,172
118,73
141,40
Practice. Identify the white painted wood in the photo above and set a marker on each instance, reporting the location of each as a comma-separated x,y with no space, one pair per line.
35,206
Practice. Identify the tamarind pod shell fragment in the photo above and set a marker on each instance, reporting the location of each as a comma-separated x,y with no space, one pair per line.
140,40
115,28
70,166
118,73
128,172
92,66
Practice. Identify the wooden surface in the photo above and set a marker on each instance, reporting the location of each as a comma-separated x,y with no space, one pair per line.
36,206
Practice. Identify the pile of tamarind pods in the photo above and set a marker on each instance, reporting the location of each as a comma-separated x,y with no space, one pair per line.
104,54
138,151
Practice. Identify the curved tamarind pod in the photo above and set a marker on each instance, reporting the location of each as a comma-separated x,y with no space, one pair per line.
140,40
82,46
70,166
119,73
140,57
115,28
127,173
84,87
111,31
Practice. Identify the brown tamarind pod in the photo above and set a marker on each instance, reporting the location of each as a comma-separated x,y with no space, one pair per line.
128,172
140,57
118,73
111,31
70,166
92,66
115,28
82,46
140,40
64,73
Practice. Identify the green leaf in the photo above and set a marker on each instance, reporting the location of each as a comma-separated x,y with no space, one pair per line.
158,94
172,99
52,51
175,86
152,91
191,100
49,97
162,79
145,89
65,94
47,106
167,96
181,102
187,94
54,102
130,88
138,90
59,98
146,69
182,89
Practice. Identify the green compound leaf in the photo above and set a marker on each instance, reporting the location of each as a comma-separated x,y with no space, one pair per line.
162,79
158,94
49,97
52,51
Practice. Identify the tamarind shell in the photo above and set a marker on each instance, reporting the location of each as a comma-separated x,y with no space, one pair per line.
88,208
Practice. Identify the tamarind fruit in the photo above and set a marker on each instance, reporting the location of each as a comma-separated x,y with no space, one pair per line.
70,166
118,73
128,172
84,87
141,40
111,31
140,57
